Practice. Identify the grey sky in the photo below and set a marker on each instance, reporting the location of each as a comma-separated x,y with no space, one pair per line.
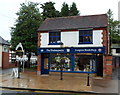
8,8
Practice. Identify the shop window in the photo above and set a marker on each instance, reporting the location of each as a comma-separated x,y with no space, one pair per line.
56,62
85,63
85,37
55,38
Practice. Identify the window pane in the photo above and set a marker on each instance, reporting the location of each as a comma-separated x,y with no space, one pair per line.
54,40
84,63
81,33
50,40
54,34
54,37
88,32
50,34
56,62
87,39
81,39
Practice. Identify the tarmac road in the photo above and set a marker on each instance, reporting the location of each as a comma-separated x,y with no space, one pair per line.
26,92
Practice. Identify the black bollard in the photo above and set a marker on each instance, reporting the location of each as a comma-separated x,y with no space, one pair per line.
88,84
61,73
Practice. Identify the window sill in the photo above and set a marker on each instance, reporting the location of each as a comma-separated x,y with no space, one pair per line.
55,44
85,43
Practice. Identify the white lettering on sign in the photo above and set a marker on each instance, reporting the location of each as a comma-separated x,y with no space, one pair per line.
79,50
55,50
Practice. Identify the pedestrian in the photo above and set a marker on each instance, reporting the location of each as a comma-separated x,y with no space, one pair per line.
15,71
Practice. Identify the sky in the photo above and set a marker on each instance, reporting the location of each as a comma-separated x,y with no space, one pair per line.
8,8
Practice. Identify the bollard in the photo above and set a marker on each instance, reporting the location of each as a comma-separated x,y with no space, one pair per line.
61,73
88,84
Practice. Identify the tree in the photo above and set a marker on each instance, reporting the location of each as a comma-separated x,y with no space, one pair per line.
64,10
49,10
73,10
113,30
69,11
25,28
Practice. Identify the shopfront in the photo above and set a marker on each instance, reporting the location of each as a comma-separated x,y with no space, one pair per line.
77,60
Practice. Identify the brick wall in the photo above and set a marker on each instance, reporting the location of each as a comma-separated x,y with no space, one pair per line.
106,41
5,60
39,56
107,65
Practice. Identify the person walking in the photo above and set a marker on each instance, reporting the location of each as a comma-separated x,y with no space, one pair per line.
15,72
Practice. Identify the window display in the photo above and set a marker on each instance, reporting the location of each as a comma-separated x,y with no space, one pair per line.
84,63
60,59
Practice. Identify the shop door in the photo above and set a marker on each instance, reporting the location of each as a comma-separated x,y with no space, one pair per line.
45,65
99,65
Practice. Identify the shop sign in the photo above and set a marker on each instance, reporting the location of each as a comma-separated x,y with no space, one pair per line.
53,50
71,50
89,50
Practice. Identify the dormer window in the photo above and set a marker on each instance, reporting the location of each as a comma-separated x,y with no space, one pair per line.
55,38
85,36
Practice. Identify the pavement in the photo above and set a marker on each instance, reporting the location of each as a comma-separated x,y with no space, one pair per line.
74,82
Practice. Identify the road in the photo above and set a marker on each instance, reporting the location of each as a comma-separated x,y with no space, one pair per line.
26,92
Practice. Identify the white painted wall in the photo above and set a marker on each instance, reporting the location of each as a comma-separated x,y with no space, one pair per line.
71,39
44,39
0,55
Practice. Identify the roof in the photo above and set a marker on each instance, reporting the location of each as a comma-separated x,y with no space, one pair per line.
74,22
3,42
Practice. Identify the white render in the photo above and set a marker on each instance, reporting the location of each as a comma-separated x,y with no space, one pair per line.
0,56
71,39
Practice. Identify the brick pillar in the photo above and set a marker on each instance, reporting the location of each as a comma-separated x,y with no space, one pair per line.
106,41
39,56
107,65
39,64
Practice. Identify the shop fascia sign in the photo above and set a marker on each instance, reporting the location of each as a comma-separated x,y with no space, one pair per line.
46,50
69,50
89,50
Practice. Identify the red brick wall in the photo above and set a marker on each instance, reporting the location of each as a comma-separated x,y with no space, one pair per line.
106,41
5,60
107,65
39,56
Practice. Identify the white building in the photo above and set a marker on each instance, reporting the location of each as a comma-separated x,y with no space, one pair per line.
82,40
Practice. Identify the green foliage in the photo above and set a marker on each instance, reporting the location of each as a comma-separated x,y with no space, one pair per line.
24,30
29,19
113,30
73,10
49,10
64,10
69,11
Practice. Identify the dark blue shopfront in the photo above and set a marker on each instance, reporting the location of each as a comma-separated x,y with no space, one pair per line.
78,60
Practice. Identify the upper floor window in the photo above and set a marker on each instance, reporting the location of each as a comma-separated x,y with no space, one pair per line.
85,37
55,38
